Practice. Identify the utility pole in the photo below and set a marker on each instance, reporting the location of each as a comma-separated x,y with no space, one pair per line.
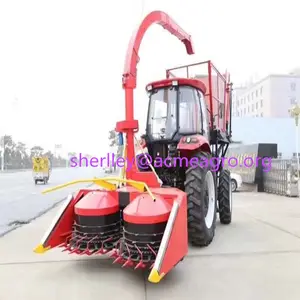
295,113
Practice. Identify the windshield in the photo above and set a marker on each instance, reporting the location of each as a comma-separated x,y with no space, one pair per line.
162,118
162,113
189,110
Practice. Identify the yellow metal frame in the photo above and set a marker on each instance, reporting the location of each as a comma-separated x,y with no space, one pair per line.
155,277
40,249
106,183
123,170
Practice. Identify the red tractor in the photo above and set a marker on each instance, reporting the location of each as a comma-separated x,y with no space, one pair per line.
146,219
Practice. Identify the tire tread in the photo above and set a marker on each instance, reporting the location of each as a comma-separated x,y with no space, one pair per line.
198,233
225,212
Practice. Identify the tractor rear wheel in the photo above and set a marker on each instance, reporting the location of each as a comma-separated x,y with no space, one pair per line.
200,186
225,197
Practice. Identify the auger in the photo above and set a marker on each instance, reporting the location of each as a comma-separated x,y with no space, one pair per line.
146,218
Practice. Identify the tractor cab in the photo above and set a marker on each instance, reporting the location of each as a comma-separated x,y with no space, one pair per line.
177,109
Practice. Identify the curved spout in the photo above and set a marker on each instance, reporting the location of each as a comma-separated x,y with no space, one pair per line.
129,126
132,58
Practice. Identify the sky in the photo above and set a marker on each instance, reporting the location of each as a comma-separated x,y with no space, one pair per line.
61,62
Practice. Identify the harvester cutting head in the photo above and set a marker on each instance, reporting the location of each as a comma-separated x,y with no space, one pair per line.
135,226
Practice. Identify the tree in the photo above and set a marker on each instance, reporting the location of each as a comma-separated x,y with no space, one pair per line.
9,150
21,148
17,157
113,138
21,156
70,155
36,151
6,141
50,155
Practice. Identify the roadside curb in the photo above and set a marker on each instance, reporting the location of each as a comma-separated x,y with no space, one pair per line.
20,223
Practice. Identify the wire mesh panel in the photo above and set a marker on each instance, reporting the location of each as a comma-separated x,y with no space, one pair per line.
292,180
178,73
275,181
282,178
215,84
198,70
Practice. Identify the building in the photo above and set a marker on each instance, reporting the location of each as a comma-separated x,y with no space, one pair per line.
237,93
272,96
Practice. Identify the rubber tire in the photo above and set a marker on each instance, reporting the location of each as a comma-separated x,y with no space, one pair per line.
224,191
235,183
198,233
35,182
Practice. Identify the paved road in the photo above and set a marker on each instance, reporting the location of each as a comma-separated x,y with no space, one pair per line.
256,257
21,200
13,171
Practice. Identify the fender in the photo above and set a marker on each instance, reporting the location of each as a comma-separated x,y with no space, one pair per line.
194,142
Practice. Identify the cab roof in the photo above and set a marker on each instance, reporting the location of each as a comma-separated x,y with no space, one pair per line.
195,83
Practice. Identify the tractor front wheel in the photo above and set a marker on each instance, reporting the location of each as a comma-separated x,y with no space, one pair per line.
225,197
200,186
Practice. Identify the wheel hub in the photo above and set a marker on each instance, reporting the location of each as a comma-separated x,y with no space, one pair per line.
210,200
230,197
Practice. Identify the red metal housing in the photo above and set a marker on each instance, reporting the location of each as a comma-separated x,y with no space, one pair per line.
97,203
197,84
145,211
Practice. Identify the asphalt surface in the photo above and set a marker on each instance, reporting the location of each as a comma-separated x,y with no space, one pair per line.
256,257
21,200
14,170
